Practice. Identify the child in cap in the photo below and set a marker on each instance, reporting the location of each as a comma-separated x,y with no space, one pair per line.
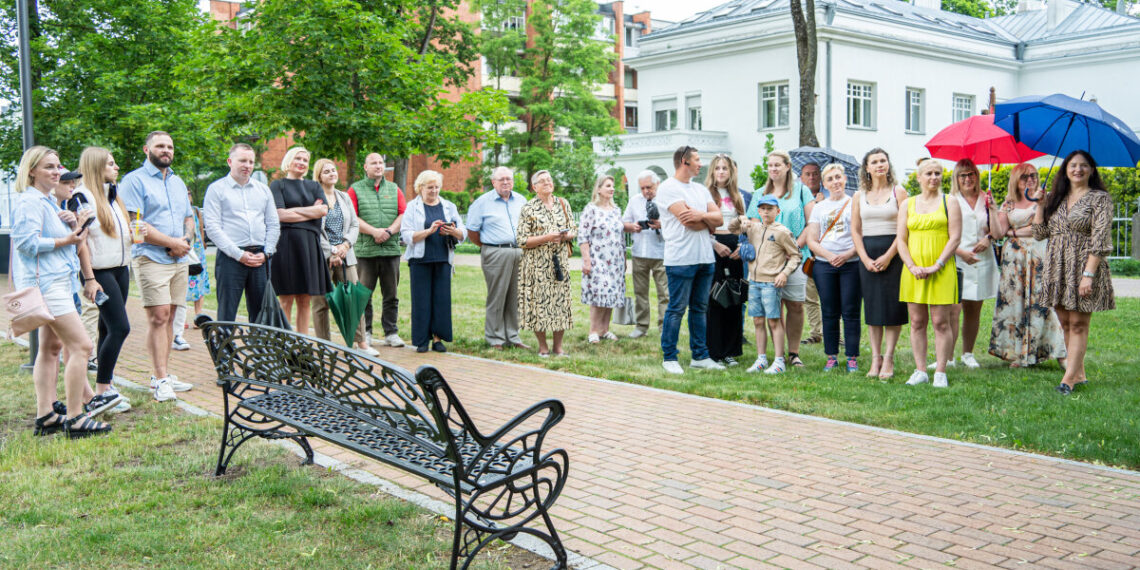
777,256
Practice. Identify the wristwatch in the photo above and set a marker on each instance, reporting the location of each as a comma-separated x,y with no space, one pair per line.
1088,274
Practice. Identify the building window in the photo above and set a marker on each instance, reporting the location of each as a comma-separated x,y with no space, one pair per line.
774,105
630,36
963,107
914,122
630,78
860,105
665,114
693,105
631,119
515,23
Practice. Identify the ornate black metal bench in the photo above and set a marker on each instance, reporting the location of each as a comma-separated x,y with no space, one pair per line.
278,384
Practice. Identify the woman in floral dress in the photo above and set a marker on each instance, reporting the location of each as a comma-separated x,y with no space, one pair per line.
1025,332
602,238
545,228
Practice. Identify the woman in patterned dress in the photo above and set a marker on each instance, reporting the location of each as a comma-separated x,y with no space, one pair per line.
1077,220
1025,332
544,230
601,235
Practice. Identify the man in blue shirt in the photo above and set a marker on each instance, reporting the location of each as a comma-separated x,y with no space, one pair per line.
241,219
491,223
157,197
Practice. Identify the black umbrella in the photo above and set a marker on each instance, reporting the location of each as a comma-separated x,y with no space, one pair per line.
824,156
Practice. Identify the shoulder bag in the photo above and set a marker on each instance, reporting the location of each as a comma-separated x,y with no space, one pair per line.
809,263
27,310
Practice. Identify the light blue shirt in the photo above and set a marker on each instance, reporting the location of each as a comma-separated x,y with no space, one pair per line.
163,203
495,218
239,216
34,231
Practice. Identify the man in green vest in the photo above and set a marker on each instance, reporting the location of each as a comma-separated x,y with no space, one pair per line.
380,207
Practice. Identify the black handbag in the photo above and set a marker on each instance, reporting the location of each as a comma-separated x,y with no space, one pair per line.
728,292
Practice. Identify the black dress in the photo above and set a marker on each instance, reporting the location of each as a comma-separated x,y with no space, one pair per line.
298,267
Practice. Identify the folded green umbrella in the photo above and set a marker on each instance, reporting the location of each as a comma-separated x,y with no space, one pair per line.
346,303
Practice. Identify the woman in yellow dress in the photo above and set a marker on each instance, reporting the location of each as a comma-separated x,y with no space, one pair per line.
930,227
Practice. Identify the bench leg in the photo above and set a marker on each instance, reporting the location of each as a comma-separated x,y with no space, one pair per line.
304,443
233,436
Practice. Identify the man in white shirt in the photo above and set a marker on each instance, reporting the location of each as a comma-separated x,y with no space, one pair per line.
241,220
648,252
688,216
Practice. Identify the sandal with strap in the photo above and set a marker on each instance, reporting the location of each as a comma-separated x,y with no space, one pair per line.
84,426
43,427
794,360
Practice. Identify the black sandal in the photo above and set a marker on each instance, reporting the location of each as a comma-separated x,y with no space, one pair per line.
83,426
45,428
59,408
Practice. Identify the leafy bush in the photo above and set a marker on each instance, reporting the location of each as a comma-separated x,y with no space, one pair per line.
1124,267
1122,183
461,199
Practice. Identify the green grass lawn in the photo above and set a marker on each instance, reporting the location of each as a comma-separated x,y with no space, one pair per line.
1014,408
145,497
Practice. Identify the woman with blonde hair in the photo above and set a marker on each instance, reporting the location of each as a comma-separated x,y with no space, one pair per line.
1025,332
929,229
975,256
45,258
431,228
544,231
796,203
298,269
726,324
836,270
601,235
107,257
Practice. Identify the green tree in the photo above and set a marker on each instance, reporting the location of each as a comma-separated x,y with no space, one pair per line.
349,77
106,74
558,68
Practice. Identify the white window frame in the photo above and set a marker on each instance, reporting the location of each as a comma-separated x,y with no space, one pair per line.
693,119
778,95
515,23
915,116
667,108
861,105
962,107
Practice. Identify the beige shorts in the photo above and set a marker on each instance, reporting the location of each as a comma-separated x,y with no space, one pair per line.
160,283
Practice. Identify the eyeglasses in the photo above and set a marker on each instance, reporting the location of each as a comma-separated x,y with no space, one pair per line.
1025,177
967,175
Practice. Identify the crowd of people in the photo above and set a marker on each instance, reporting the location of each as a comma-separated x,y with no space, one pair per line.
714,251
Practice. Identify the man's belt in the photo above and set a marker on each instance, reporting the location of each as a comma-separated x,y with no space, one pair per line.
506,245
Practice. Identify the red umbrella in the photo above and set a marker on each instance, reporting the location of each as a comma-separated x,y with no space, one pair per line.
977,139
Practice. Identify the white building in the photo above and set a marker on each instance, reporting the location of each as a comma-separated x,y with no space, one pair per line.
889,74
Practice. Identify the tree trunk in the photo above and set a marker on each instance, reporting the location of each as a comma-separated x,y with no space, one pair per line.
350,162
806,56
400,174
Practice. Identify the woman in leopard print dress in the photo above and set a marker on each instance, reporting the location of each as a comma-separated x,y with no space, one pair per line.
1077,220
545,227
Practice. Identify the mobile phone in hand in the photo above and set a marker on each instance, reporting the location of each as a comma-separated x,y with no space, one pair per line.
86,224
100,298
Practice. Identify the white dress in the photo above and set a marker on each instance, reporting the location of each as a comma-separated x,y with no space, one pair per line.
980,280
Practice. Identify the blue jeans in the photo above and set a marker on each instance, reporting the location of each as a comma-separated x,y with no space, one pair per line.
688,286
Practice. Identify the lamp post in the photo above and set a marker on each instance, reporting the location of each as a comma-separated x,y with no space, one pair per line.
29,134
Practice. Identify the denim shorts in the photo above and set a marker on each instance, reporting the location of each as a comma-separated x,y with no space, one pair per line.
763,300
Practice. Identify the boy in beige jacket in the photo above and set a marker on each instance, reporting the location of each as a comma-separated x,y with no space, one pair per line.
776,258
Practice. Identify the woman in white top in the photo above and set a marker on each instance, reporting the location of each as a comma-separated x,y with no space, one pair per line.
874,228
726,324
1025,332
836,269
975,256
107,258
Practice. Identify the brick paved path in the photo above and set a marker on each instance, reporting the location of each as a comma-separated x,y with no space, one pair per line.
665,480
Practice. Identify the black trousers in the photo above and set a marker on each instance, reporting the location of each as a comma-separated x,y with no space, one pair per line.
726,326
431,301
113,323
233,278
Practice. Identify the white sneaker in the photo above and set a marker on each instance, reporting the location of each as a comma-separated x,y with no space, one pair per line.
369,351
940,380
758,366
949,363
918,377
180,344
175,384
969,360
672,367
124,406
163,391
777,367
394,340
637,333
706,364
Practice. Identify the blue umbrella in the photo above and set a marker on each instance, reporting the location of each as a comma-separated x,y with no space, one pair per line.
1058,124
824,156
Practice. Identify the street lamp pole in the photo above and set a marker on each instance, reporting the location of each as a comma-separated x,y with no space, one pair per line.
29,133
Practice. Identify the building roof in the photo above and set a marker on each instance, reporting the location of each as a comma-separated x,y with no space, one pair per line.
1014,28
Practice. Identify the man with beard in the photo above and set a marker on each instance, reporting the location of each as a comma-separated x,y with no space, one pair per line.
241,219
157,198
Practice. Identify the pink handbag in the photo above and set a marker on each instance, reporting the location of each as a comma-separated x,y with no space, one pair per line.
27,310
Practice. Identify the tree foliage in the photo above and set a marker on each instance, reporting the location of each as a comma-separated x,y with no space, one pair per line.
557,69
106,73
348,77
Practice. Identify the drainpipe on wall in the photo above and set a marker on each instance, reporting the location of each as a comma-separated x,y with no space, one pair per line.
827,112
